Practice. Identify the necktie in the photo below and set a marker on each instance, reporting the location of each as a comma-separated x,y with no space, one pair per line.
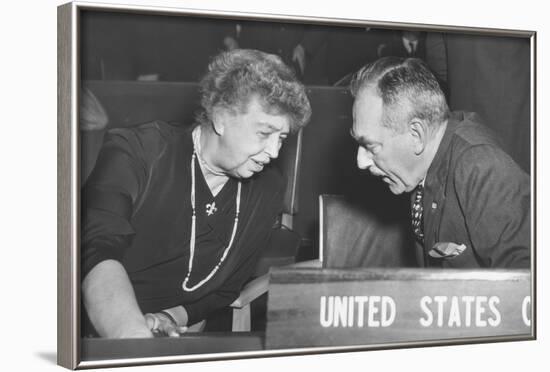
416,214
412,48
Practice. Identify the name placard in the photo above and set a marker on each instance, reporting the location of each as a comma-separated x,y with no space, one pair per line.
326,307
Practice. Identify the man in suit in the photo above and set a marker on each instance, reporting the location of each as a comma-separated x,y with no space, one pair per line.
470,200
407,43
500,91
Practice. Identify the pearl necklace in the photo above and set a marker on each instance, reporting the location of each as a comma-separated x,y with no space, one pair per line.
184,285
198,150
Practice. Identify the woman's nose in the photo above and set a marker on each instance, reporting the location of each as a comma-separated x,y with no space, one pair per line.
273,147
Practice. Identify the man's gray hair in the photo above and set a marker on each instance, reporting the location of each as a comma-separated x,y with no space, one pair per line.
408,90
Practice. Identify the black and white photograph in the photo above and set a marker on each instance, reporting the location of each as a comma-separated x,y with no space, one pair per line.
236,185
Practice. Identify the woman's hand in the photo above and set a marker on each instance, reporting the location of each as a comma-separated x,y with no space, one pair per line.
162,324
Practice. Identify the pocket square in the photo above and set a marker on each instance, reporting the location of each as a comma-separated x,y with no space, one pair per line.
446,250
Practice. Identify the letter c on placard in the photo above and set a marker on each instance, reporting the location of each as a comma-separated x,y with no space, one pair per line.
526,311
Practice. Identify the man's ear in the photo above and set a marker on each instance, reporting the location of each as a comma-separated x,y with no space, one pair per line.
419,132
219,120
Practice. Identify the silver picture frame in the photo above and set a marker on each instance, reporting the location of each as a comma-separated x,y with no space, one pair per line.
69,336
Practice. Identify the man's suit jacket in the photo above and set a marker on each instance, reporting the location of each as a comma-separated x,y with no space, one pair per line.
476,195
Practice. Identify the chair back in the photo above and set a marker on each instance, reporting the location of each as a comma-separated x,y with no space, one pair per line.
359,235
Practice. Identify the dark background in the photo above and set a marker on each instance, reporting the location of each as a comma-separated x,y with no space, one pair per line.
144,67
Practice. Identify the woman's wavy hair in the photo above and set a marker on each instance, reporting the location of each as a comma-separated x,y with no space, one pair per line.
234,77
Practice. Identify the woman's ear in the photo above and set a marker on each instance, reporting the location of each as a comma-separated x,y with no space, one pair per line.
219,120
419,133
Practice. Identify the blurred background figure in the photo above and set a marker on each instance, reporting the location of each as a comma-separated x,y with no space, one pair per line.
407,44
330,57
270,37
491,76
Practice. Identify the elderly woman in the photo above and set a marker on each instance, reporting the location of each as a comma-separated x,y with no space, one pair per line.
174,219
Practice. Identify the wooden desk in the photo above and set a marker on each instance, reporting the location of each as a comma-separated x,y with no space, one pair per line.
94,349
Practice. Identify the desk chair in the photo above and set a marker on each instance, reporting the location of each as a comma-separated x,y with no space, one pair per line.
352,235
